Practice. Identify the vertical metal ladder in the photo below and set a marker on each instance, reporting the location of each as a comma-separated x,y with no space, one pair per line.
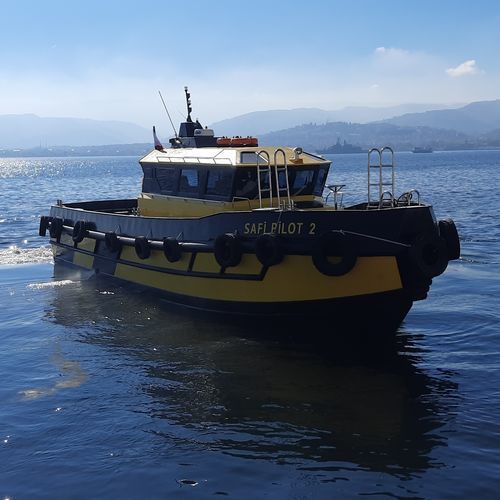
265,181
378,195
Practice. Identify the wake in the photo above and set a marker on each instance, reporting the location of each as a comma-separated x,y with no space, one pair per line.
14,255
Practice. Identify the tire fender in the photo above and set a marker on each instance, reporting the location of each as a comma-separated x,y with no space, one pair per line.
79,231
338,244
227,250
142,248
112,242
430,254
56,227
172,249
448,231
269,249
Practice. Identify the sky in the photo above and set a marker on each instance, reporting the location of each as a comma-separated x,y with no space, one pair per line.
108,59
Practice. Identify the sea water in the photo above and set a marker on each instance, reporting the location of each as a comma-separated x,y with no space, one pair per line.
109,392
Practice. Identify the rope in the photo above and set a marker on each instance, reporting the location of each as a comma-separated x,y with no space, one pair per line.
371,237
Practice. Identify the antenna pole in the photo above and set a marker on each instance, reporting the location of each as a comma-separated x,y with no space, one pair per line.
188,104
168,114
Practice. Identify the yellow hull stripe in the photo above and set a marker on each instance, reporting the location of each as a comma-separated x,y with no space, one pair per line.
295,279
85,260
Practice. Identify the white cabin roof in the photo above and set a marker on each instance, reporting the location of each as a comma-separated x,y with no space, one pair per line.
225,156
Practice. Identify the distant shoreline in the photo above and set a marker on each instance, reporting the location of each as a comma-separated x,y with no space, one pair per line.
139,150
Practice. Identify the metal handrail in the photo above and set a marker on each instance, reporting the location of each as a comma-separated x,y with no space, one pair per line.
392,165
370,166
259,185
382,199
276,173
380,165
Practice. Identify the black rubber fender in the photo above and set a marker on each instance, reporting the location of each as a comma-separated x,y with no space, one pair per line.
142,248
112,242
56,227
430,254
269,249
227,250
80,231
448,231
172,249
338,244
44,225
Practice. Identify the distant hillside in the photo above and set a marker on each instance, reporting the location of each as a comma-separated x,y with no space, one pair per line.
262,122
474,119
319,137
27,131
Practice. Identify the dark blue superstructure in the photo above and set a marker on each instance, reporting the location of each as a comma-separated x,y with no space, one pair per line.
192,134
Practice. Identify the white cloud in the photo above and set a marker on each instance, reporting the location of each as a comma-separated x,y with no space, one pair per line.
397,60
392,53
466,68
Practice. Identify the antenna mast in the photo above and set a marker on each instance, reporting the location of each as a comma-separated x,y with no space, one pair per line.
188,103
168,114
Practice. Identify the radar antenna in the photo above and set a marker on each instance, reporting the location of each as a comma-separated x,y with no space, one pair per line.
188,103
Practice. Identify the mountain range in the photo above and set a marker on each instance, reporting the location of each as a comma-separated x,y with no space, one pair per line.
28,130
475,118
475,125
262,122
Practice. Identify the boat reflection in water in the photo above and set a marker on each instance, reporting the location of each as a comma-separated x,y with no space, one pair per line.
218,387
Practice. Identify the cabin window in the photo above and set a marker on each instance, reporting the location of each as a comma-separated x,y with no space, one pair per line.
320,181
148,182
282,180
219,183
303,182
167,179
246,183
189,180
251,157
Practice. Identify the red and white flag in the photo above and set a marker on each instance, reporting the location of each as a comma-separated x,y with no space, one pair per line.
158,144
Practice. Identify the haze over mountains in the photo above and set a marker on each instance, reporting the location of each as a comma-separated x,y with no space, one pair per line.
28,131
476,125
262,122
475,118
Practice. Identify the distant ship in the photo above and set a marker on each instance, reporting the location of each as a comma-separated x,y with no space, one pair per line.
418,149
341,148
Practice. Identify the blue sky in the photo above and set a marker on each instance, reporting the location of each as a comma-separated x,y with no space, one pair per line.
108,59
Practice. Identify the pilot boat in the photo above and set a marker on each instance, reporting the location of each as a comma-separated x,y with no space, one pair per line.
225,225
